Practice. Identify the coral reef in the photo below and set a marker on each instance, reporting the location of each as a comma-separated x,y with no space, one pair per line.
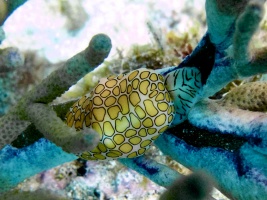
235,156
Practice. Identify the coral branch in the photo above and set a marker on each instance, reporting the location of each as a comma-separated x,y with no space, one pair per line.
10,127
19,164
54,129
221,19
257,64
224,166
29,107
246,25
248,124
73,70
159,173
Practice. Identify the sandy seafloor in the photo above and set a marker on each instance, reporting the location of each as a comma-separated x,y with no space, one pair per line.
57,30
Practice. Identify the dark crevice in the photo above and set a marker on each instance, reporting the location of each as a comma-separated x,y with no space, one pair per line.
198,137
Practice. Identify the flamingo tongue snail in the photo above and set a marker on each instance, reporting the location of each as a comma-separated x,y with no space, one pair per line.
130,111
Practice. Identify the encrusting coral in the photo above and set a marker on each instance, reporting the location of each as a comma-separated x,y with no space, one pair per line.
223,55
250,96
